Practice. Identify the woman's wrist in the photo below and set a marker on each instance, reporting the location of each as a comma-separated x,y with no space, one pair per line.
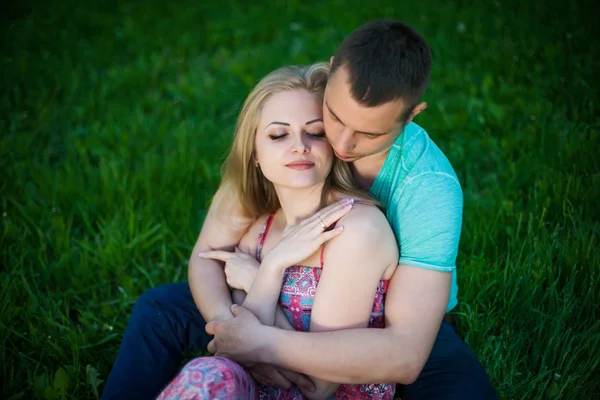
248,285
270,264
251,279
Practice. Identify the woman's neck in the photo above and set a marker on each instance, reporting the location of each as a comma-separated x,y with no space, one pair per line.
299,204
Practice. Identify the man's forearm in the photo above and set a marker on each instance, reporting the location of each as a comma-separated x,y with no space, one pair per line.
282,321
354,356
209,289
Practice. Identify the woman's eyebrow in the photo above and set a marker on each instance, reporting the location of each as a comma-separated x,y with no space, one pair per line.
312,121
277,123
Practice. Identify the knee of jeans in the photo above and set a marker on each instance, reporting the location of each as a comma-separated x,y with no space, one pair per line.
479,387
474,381
147,306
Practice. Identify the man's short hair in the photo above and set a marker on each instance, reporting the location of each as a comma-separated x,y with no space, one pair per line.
386,60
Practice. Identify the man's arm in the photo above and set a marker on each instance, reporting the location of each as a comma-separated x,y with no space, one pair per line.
394,354
223,229
429,217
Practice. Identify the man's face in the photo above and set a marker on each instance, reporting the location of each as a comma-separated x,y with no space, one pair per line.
356,131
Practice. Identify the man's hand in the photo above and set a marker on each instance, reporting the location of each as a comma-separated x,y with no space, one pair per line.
240,339
269,375
240,268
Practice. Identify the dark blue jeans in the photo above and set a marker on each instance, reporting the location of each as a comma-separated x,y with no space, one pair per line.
166,324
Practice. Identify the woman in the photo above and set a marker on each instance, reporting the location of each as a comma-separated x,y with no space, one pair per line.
281,170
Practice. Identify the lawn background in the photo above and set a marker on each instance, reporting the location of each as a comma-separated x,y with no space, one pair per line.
117,114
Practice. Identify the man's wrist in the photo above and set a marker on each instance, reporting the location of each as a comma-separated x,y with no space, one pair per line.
266,353
223,316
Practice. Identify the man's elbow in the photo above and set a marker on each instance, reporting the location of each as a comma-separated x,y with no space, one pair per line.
410,375
407,370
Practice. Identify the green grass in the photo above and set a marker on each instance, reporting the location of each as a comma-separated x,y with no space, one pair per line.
116,116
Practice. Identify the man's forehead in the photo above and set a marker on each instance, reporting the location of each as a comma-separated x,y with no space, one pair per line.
351,113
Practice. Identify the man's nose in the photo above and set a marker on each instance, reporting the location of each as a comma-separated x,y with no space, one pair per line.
344,141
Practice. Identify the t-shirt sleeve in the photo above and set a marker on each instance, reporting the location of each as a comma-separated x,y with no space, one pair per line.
429,214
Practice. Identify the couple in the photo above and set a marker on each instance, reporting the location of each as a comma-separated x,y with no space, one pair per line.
283,196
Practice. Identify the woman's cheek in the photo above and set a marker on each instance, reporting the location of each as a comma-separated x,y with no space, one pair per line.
327,152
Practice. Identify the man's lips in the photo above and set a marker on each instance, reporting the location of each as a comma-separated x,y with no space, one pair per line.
300,165
341,156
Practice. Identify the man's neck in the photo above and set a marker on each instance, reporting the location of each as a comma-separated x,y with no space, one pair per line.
366,169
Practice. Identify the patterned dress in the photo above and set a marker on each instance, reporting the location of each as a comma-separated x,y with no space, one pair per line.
221,378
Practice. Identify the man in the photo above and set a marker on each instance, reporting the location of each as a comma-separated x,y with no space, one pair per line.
379,75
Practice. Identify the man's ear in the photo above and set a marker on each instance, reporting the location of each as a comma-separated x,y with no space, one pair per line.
415,111
331,61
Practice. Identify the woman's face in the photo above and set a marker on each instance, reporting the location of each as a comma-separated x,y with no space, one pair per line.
291,147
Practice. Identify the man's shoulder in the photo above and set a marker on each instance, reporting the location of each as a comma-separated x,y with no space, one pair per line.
424,180
415,154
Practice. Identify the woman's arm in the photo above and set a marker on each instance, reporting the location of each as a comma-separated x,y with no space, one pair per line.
243,273
265,291
296,244
263,296
241,268
223,228
354,264
281,320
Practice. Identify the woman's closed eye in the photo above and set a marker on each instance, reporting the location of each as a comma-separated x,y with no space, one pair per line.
277,136
281,135
316,134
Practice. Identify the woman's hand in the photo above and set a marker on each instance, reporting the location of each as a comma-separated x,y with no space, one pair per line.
240,268
301,241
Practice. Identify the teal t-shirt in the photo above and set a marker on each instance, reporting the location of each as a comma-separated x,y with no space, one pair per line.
424,203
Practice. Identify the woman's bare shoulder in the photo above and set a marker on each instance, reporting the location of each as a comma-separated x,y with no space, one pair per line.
365,216
366,229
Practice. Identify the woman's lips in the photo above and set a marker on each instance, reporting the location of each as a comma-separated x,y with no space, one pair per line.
300,165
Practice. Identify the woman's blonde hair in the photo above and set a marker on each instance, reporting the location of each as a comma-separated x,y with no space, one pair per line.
242,180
